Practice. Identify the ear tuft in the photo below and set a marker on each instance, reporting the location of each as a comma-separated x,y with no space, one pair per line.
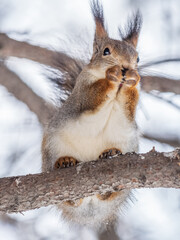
97,11
132,29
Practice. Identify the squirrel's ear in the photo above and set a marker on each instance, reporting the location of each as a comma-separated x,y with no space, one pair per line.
132,30
98,15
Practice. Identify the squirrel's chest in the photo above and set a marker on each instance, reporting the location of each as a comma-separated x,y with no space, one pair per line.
89,135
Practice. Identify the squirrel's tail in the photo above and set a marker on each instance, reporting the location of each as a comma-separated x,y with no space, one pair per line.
70,68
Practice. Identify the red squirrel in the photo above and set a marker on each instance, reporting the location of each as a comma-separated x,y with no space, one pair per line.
98,118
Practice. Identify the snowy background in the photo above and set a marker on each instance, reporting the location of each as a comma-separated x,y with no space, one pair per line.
55,24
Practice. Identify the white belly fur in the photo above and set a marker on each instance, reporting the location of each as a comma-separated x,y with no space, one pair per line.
84,139
88,136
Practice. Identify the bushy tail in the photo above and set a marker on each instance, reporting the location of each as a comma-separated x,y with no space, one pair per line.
70,68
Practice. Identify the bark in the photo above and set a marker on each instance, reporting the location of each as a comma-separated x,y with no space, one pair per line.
150,170
25,94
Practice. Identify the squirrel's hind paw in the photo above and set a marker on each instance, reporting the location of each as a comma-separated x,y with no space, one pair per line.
109,153
63,162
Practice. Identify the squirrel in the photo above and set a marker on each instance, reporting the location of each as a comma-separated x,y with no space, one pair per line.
98,118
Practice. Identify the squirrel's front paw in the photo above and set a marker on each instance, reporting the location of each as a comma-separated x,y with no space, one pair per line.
114,74
131,78
63,162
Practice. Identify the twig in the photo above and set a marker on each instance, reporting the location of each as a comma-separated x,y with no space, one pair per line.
165,100
161,61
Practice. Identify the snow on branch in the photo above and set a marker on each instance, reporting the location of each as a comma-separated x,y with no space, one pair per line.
149,170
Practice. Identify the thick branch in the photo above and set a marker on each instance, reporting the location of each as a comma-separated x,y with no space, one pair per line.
161,84
10,47
152,169
23,93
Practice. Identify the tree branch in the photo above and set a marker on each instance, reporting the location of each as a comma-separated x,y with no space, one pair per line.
174,142
58,60
167,100
10,47
23,93
160,61
162,84
152,169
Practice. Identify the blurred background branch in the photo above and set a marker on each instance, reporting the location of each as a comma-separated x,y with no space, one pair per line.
23,93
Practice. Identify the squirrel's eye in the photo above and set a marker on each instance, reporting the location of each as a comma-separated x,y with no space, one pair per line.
138,59
106,51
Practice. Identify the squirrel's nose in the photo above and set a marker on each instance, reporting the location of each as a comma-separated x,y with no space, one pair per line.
124,70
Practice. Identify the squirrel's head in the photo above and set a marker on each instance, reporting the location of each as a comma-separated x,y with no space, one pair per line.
108,52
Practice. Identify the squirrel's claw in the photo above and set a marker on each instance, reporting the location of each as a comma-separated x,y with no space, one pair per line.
63,162
109,153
